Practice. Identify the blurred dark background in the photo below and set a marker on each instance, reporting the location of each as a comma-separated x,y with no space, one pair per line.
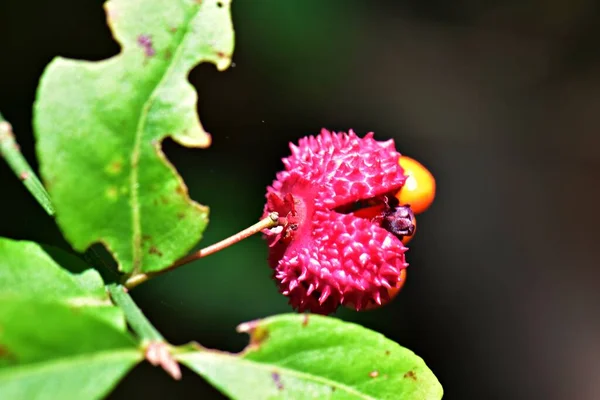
500,99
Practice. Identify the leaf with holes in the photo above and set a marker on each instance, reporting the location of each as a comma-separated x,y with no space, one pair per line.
99,128
314,357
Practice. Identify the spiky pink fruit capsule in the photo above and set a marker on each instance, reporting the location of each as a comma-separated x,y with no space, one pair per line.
324,256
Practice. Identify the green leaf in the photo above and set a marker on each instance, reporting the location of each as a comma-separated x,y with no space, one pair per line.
100,125
60,335
50,350
28,272
308,356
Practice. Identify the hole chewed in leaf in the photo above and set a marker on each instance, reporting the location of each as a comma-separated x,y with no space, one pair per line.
125,119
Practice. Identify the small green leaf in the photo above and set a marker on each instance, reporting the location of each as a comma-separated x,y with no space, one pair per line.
28,272
50,350
308,356
100,125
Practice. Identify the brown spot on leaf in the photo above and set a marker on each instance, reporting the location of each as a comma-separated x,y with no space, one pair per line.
277,379
219,4
6,354
305,320
222,54
164,200
173,29
115,167
146,237
374,374
180,190
259,336
145,41
411,375
154,250
168,54
180,215
387,352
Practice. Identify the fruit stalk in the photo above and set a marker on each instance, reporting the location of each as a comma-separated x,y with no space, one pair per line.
270,221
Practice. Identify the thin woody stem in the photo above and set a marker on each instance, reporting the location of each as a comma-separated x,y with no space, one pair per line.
270,221
12,154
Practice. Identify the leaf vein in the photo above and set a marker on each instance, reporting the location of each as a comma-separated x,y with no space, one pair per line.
291,372
135,156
